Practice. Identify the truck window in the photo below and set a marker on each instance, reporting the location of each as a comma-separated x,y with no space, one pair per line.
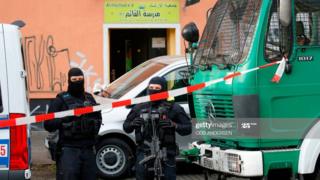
1,105
307,22
272,47
228,34
278,38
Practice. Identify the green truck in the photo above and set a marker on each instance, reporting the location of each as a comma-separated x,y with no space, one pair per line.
274,127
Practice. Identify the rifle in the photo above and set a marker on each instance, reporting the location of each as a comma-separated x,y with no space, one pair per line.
158,153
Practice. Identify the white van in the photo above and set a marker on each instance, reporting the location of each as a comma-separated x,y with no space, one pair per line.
116,149
14,141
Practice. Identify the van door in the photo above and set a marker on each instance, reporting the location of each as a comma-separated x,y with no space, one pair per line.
4,112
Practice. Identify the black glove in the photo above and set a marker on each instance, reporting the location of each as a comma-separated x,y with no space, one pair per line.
137,122
67,119
167,123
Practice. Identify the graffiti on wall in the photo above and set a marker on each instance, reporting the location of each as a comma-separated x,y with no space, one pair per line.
42,57
47,65
89,73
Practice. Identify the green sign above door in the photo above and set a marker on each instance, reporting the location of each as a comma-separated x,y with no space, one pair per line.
141,11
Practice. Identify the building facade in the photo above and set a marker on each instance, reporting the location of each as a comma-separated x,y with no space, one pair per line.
105,38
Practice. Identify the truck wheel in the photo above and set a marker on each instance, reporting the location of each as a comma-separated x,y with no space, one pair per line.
315,175
113,158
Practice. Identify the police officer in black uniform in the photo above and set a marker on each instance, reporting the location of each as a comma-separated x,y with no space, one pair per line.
176,121
77,134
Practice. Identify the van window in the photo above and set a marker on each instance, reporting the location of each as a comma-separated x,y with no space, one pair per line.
1,105
178,78
132,78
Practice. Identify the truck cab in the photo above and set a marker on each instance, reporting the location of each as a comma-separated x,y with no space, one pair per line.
14,141
274,124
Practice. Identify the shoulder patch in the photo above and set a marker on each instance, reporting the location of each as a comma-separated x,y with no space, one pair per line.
63,94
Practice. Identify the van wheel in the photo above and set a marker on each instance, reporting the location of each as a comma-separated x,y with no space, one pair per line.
259,178
113,158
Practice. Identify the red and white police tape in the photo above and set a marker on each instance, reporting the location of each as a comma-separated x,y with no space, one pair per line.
154,97
277,77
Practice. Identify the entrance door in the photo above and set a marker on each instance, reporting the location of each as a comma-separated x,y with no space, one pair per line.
131,47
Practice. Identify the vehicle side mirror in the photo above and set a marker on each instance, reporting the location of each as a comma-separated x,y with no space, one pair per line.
288,67
191,2
190,33
285,12
19,23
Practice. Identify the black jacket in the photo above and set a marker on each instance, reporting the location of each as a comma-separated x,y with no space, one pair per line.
57,105
176,113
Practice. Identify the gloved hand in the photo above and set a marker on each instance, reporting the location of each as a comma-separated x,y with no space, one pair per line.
137,122
167,123
66,119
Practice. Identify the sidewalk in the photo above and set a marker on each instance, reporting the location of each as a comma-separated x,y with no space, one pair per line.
39,153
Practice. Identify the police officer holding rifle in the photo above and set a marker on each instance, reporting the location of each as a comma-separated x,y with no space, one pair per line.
155,124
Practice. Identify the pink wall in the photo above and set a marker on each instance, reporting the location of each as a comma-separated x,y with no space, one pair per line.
72,25
196,13
60,32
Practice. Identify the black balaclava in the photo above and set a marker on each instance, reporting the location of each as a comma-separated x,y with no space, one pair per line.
75,88
161,81
158,80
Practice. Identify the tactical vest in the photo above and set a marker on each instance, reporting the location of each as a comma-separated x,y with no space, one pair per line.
165,135
80,127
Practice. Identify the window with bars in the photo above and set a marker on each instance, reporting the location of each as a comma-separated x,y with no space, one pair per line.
228,34
278,38
307,22
272,47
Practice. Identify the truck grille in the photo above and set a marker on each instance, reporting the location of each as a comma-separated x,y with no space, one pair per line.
218,106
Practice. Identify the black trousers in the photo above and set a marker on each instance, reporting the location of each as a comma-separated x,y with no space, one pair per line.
76,164
169,168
